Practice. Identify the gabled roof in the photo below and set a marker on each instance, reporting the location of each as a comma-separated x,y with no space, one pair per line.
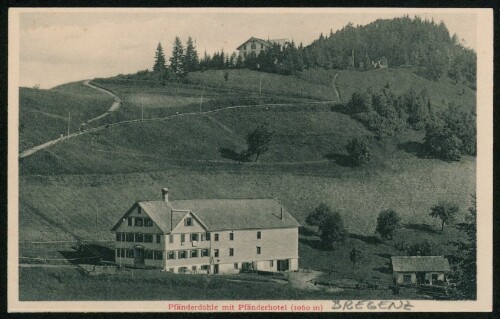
253,39
160,213
217,214
227,214
419,263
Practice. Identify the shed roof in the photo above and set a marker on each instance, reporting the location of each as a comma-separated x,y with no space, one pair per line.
419,263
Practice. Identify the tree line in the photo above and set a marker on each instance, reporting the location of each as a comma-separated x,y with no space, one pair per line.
449,134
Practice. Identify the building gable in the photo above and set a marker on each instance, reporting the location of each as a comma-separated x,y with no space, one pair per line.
189,223
135,213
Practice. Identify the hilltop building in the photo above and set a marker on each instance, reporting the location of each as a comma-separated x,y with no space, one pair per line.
419,270
256,46
207,236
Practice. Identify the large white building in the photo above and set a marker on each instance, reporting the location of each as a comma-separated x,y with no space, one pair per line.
256,46
207,235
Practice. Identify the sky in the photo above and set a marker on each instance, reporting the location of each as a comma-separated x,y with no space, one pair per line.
57,47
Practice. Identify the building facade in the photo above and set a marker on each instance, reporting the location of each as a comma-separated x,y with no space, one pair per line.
256,46
207,236
418,270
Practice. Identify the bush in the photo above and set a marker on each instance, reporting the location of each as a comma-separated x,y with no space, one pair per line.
358,150
332,230
388,222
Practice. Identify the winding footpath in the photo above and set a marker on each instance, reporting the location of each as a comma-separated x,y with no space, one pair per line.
115,106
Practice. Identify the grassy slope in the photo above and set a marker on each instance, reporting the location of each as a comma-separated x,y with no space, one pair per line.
183,155
275,84
43,114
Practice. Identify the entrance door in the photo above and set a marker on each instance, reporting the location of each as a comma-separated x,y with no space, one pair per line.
420,278
139,256
283,265
216,269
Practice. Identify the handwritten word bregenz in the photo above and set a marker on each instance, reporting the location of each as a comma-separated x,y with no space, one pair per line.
354,305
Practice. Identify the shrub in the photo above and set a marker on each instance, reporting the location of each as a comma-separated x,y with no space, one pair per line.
388,222
359,152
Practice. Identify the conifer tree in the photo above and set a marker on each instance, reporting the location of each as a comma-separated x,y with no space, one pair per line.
176,61
159,65
191,57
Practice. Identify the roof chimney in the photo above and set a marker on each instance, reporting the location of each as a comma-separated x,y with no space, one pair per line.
164,194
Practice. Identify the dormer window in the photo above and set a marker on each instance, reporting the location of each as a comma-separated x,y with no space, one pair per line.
188,221
253,46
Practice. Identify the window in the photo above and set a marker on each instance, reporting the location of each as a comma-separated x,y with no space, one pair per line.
158,255
130,253
138,222
205,267
207,235
271,263
253,46
129,237
231,251
203,237
259,235
139,210
188,222
216,253
244,54
148,254
182,254
139,238
118,237
204,253
171,239
183,238
216,237
120,252
148,238
407,279
235,265
170,254
193,268
258,250
244,47
148,222
158,239
182,270
194,253
130,220
194,237
261,46
231,236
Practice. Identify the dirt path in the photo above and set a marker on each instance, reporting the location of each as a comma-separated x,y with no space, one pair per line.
46,266
337,93
303,280
115,106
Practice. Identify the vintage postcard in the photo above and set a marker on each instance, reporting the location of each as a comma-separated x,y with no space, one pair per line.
250,160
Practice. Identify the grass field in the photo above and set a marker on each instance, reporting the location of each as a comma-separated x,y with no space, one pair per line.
267,83
58,284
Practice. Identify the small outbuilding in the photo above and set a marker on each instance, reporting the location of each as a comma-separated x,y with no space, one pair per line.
418,270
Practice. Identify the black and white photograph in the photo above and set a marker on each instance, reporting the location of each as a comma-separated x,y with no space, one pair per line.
248,160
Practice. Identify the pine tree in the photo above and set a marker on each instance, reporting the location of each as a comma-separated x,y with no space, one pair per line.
191,57
176,61
159,65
